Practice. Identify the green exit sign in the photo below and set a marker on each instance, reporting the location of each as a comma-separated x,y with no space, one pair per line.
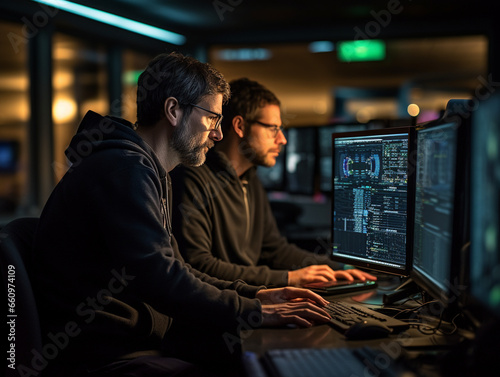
362,50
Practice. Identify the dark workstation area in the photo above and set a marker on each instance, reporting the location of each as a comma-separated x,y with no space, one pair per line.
391,114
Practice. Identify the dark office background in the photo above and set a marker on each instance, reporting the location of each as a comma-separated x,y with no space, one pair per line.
54,66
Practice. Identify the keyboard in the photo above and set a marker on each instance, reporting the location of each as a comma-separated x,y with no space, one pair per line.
341,286
324,362
345,314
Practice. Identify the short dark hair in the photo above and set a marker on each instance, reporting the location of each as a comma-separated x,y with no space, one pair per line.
247,97
179,76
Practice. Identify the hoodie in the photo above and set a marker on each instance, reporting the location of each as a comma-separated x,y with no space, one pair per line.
225,226
109,279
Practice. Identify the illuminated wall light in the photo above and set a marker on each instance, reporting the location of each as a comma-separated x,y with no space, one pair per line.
15,108
413,109
364,115
361,50
131,77
64,110
99,105
320,107
321,46
14,82
114,20
64,53
244,54
63,80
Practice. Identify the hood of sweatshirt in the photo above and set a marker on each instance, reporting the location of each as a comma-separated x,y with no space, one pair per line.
97,133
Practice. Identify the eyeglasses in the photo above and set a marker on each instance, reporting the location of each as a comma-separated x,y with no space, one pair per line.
215,120
272,127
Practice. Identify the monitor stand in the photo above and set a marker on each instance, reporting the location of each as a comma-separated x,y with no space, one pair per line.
390,291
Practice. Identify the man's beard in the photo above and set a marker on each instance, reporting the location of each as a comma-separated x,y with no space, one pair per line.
255,155
190,152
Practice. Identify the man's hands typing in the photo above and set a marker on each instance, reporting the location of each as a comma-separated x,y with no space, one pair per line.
290,305
323,273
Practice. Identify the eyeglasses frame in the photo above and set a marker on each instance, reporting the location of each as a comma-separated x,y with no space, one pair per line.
219,116
275,129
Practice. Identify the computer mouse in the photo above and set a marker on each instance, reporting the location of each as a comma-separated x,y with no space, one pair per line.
367,329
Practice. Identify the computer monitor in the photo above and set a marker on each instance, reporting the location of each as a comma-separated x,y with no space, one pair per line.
441,203
9,156
372,191
480,291
484,279
300,160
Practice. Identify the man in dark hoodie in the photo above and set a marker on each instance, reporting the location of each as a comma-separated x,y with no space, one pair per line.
223,220
114,294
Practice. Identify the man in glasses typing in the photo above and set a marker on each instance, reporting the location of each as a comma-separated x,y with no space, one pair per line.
224,223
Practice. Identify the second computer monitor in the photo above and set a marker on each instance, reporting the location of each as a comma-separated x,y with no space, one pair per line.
372,191
442,203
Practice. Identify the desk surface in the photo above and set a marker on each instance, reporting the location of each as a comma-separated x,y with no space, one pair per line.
410,343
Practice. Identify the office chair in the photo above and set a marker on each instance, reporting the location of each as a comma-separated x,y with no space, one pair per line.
16,240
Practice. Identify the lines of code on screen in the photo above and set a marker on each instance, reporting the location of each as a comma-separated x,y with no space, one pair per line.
370,198
434,200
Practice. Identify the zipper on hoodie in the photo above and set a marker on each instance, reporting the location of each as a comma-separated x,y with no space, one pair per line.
165,210
244,184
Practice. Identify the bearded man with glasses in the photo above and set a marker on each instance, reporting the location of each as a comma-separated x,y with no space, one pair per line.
114,294
223,219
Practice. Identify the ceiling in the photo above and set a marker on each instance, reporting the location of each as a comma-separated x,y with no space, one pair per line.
241,21
417,32
306,82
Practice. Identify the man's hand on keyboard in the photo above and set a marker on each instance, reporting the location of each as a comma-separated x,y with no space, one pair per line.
289,294
323,273
289,305
352,274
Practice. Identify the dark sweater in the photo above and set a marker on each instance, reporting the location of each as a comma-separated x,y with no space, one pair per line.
226,228
108,277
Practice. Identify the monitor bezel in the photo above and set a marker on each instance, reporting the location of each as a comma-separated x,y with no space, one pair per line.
404,271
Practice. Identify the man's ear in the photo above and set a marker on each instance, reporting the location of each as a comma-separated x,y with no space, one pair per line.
172,111
239,125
